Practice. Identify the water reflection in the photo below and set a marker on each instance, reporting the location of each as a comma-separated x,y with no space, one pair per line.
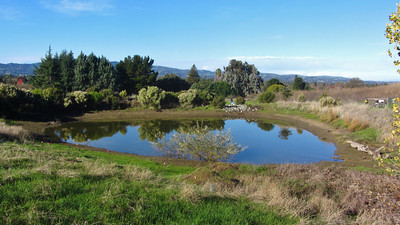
267,142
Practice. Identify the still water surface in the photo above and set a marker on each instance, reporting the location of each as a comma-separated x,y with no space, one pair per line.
266,142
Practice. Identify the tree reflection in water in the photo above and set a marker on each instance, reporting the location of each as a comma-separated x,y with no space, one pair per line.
201,143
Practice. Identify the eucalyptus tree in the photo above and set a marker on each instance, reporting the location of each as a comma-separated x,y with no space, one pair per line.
243,77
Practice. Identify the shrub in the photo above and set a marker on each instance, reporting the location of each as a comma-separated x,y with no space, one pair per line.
53,96
218,102
123,94
151,97
301,98
76,99
266,97
170,101
328,101
275,88
187,98
240,100
96,99
203,97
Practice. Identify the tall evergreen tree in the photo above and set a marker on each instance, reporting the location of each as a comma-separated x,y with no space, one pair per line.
81,78
93,66
67,67
107,76
299,84
193,76
136,73
48,72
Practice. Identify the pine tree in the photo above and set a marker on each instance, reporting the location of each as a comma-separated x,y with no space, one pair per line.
67,67
193,76
48,73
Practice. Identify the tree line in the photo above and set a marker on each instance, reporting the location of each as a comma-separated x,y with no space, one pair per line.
89,72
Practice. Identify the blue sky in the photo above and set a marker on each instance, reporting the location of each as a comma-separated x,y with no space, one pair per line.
308,37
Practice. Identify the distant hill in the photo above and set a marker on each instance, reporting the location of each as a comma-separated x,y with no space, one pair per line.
27,69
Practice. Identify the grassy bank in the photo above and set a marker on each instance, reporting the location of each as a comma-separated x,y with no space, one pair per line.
52,183
44,183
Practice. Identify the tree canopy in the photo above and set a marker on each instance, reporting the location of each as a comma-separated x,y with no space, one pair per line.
136,73
193,76
244,78
299,84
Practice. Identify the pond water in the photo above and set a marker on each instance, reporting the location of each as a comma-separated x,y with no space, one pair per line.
266,142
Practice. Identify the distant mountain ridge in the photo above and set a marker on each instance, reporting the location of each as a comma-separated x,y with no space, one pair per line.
27,69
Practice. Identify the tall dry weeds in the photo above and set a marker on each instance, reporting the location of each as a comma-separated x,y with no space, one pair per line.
354,115
332,195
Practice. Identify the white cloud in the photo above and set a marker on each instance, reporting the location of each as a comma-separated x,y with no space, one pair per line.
8,13
74,7
376,68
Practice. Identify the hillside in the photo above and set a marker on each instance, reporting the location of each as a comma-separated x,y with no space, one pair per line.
27,69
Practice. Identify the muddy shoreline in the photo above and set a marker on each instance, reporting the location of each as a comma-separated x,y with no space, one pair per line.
350,156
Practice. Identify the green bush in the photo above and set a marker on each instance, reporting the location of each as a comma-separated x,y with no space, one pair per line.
328,101
203,98
96,99
187,98
275,88
218,102
123,94
76,99
53,96
240,100
151,97
301,98
170,101
266,97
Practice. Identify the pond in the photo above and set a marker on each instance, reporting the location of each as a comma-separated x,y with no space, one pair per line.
265,141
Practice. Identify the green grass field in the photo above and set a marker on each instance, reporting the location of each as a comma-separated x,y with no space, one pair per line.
44,183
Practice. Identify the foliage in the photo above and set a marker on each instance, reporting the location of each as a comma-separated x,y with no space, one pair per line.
354,83
151,97
48,72
326,100
243,78
96,99
286,93
271,82
187,98
172,82
136,73
218,102
301,98
53,96
170,101
76,99
266,97
193,76
240,100
392,144
299,84
393,34
200,143
275,88
123,94
203,98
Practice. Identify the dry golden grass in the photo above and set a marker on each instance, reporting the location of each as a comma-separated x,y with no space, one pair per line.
353,94
355,115
13,132
334,196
